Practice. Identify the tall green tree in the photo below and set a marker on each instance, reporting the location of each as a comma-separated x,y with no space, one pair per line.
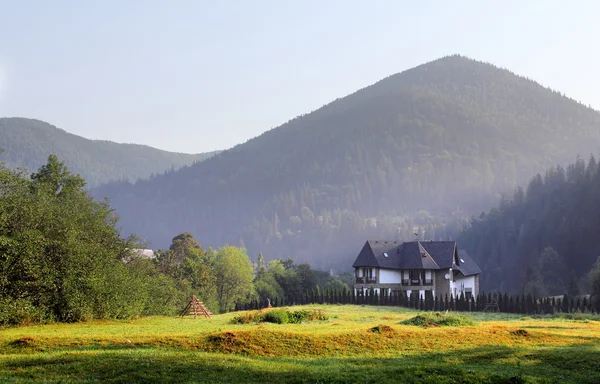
234,275
60,252
182,244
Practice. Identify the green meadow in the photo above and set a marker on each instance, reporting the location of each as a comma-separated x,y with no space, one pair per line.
356,344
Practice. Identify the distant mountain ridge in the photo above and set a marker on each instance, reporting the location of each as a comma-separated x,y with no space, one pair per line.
28,142
421,148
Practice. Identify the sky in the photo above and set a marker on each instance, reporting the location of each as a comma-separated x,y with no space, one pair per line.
195,76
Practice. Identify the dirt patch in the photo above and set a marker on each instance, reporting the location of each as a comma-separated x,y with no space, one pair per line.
520,333
381,329
225,339
23,342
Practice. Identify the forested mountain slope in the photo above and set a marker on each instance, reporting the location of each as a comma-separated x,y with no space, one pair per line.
546,239
28,143
421,147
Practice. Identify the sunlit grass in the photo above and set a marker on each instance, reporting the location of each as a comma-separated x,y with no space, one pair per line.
341,349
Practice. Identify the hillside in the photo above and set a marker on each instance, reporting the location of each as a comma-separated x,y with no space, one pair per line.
545,239
424,147
27,143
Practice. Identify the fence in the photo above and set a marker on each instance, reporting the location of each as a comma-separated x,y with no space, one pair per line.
523,304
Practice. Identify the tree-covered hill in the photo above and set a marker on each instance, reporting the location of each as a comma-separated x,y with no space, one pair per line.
545,239
419,148
28,143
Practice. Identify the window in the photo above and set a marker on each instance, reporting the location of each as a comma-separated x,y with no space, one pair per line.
468,293
385,254
415,275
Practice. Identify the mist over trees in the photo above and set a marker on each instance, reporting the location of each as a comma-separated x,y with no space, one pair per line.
544,240
62,258
419,151
412,156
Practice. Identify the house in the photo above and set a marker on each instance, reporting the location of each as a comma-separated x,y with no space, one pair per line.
139,253
431,268
144,253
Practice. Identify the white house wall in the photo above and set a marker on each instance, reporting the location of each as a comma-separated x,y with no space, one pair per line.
389,276
462,283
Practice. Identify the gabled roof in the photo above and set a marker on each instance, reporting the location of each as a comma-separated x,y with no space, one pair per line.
414,255
374,254
467,266
444,252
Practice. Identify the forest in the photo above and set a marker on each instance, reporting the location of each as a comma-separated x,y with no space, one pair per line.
544,240
27,143
62,258
418,152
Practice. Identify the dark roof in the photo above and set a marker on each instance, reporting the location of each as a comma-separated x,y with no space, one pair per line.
414,255
467,266
374,254
443,251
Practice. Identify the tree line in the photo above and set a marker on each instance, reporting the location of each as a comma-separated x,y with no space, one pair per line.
62,258
544,240
497,302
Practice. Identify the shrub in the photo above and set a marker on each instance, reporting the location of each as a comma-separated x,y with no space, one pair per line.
249,317
20,312
438,319
277,316
298,317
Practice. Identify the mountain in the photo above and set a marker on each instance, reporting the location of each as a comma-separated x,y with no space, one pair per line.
418,150
28,142
545,239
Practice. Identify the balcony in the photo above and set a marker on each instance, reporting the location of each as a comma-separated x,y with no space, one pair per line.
366,280
416,282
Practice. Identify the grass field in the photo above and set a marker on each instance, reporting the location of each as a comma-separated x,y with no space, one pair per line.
343,349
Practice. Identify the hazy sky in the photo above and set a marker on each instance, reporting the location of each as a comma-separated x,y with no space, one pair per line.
193,76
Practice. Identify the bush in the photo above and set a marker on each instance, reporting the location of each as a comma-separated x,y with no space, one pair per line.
20,312
277,316
438,319
298,317
249,317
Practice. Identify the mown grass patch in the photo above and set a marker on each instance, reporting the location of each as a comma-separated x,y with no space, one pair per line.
437,319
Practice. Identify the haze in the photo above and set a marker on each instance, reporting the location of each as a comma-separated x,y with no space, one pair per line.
194,76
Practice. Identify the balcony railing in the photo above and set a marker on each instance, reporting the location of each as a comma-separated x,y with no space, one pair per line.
416,282
366,280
